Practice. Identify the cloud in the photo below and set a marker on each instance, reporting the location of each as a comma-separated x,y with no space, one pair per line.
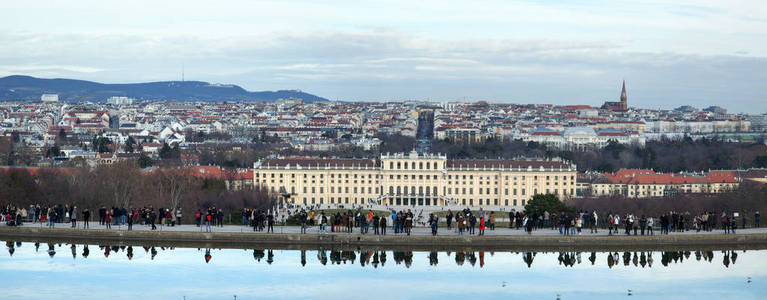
385,64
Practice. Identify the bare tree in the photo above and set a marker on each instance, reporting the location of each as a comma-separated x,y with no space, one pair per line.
119,181
174,184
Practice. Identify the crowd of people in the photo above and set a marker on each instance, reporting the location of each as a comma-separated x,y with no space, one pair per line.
464,221
673,221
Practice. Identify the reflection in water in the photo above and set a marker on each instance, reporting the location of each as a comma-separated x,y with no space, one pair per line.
466,273
376,258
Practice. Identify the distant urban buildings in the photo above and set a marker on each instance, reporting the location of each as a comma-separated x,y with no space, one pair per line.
49,98
115,100
325,126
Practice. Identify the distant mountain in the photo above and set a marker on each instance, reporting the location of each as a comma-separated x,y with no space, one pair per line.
19,87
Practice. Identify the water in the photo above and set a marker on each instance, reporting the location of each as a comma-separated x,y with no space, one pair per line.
119,272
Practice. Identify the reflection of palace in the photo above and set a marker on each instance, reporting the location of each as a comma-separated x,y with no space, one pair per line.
415,180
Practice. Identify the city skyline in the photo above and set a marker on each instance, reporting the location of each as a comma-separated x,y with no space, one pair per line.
695,53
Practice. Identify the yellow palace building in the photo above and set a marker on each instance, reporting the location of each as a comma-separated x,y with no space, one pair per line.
412,179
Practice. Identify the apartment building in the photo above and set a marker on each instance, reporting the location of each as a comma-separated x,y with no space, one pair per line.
411,179
647,183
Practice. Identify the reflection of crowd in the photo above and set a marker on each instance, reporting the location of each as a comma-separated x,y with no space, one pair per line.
376,258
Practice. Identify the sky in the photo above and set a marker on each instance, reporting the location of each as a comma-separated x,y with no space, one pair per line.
671,53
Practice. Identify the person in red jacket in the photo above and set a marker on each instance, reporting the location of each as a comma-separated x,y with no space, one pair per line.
482,225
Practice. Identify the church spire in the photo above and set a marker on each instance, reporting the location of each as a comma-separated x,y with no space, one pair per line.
624,97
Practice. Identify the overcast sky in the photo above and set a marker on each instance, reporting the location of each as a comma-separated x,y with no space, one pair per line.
671,53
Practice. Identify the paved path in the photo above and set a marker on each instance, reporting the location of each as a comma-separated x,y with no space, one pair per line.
416,231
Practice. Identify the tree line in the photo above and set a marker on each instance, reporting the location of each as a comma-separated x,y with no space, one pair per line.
663,155
747,199
123,184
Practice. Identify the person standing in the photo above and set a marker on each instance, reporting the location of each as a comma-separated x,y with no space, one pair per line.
302,219
86,217
74,216
528,223
152,219
756,219
482,225
108,219
102,215
383,225
434,222
472,223
594,222
270,223
650,223
208,218
51,218
130,219
449,219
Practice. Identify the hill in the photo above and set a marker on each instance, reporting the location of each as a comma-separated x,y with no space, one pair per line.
29,88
